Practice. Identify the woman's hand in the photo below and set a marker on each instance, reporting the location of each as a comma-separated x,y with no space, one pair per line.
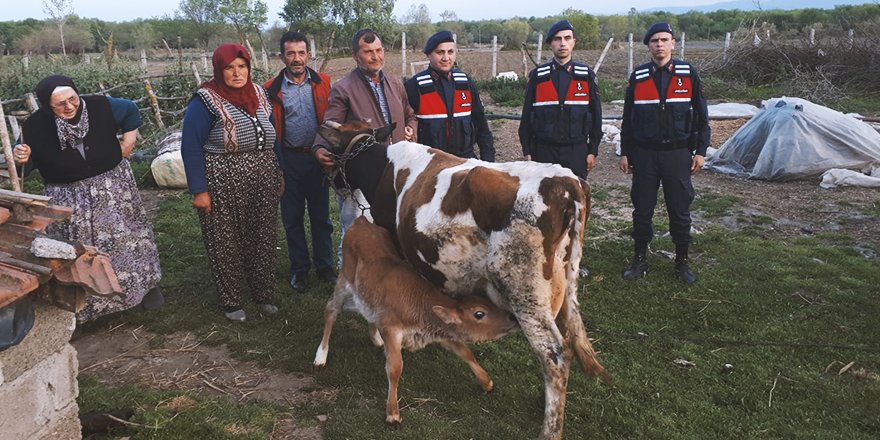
127,143
21,153
202,202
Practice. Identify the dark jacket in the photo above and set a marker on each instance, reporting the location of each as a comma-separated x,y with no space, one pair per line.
561,107
450,114
102,149
665,108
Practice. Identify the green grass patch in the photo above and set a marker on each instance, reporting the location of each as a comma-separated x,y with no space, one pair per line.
750,291
713,204
504,91
177,414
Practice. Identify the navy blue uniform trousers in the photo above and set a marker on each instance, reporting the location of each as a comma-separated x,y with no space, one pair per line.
672,169
305,185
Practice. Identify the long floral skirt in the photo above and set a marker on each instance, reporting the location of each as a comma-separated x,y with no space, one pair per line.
241,231
108,213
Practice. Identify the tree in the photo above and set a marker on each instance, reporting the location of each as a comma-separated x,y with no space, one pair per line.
244,15
448,15
306,16
514,32
204,17
418,25
59,10
586,27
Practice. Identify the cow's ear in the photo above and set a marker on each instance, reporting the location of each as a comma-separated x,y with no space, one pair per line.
448,315
383,132
331,135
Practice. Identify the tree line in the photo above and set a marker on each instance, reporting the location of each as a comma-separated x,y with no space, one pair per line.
203,24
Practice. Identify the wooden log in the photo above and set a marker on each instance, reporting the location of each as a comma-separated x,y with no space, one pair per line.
170,53
8,198
604,52
7,151
154,104
196,73
32,104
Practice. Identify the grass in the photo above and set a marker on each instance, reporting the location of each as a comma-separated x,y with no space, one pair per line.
751,291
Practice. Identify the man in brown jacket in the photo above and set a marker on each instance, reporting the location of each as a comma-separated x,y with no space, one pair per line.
366,93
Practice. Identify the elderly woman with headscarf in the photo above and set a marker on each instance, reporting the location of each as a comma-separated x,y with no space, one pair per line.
72,141
232,169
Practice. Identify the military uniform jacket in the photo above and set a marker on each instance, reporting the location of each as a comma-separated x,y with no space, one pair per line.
665,108
560,112
453,126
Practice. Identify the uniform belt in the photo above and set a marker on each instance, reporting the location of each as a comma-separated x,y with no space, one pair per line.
300,150
666,146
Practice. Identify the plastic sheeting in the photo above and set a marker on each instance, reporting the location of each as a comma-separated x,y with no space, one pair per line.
167,167
791,138
16,321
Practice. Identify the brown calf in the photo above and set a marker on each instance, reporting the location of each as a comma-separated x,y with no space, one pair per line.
405,310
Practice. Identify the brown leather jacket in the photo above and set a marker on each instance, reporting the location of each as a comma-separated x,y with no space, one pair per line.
352,99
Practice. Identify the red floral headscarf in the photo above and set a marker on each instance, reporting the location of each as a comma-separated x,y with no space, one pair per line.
244,97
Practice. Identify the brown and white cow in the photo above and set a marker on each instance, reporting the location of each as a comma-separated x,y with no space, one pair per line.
405,310
514,230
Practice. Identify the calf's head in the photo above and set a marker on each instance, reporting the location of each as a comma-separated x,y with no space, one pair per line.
339,136
476,319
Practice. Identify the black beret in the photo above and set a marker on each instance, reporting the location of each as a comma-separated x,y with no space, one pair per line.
561,25
658,27
436,39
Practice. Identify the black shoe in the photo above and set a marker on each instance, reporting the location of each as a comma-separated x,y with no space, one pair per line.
299,283
683,271
327,275
153,299
583,272
638,269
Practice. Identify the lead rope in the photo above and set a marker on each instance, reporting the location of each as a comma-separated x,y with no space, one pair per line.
357,145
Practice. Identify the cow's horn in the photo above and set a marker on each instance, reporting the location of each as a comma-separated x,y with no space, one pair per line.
333,125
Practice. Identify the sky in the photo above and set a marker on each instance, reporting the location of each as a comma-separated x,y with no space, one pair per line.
113,10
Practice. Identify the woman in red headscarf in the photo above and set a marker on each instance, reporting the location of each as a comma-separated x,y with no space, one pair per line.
232,169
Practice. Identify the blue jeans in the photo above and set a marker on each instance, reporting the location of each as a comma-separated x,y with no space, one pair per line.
305,185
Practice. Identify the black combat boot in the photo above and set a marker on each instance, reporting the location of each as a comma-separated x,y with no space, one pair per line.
682,269
639,266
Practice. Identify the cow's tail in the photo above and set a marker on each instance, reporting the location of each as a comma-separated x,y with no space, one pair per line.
579,343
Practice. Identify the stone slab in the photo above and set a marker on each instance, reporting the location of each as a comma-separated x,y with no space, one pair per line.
51,331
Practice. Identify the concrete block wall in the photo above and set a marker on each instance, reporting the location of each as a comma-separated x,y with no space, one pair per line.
38,386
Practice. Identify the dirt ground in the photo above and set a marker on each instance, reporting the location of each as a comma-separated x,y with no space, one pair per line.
124,355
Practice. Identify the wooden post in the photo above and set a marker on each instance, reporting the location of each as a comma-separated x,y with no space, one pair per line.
170,53
205,62
265,59
494,56
768,33
540,46
812,37
180,53
25,62
525,62
101,87
155,103
7,151
13,124
143,58
604,52
314,54
31,102
115,54
403,54
629,64
726,44
196,74
88,59
849,33
681,51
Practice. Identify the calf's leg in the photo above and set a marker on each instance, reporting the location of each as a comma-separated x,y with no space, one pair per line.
334,306
394,368
465,353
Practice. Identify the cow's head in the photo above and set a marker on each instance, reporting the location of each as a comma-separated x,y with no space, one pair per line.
340,136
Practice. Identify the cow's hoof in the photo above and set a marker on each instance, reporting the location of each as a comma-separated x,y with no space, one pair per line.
393,425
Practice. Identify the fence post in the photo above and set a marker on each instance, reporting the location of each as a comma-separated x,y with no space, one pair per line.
629,64
314,54
13,124
812,37
31,102
101,88
196,73
540,46
681,53
604,52
250,48
180,53
525,62
403,54
205,62
851,38
7,151
155,103
143,58
265,60
726,44
88,59
170,53
25,62
494,56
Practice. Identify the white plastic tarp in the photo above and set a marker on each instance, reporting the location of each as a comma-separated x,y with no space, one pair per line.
791,138
167,167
